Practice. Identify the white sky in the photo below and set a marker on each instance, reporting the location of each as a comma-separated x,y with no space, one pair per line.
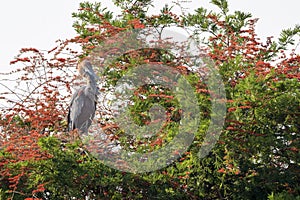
38,24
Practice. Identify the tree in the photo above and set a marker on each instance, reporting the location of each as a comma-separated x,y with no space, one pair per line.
256,156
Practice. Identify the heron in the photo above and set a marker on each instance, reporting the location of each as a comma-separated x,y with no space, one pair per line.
83,102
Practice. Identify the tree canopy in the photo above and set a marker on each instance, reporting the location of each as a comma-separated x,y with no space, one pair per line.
256,155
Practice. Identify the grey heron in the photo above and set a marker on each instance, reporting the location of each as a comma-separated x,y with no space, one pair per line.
83,103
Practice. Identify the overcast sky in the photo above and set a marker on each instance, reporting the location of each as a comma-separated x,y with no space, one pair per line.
38,24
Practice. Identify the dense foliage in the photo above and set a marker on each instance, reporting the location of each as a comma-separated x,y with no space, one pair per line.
256,157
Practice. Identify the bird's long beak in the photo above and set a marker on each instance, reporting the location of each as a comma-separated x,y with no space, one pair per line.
89,71
92,73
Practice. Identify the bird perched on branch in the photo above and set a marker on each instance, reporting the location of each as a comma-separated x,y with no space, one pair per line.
83,103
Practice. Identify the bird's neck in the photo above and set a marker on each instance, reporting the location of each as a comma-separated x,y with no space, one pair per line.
92,84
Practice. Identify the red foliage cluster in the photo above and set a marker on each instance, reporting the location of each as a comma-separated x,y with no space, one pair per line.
136,24
290,67
44,88
241,121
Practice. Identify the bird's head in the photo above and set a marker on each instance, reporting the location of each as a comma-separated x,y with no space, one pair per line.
85,69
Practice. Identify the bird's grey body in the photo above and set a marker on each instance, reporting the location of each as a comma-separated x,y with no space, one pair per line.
83,103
